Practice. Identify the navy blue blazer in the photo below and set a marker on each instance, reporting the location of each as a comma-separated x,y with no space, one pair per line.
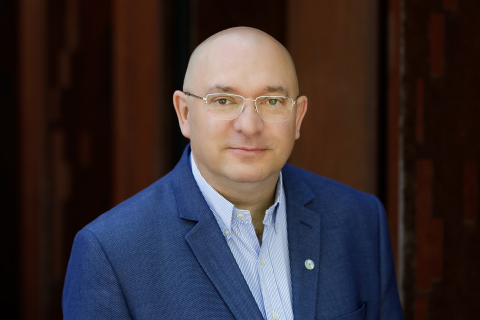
161,255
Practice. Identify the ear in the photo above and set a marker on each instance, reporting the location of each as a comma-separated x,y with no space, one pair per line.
181,108
302,102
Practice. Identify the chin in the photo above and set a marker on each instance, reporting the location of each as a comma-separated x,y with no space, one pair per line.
248,175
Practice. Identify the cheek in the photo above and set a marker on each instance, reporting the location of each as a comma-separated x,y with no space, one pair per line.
284,138
290,139
199,124
206,132
289,131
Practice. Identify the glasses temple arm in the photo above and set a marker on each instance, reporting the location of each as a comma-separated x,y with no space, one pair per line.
190,94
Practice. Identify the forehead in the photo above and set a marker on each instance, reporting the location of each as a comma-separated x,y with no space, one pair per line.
239,65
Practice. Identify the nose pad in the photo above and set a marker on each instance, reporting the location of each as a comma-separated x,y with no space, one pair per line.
254,107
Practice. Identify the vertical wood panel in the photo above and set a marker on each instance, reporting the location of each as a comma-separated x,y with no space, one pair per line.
393,132
450,4
335,51
137,87
470,191
421,308
32,154
420,111
437,22
423,212
429,230
440,41
61,190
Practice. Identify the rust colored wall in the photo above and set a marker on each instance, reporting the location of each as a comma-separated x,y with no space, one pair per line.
334,45
140,117
440,137
78,130
32,172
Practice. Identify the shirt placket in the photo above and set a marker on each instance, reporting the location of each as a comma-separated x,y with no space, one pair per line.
271,296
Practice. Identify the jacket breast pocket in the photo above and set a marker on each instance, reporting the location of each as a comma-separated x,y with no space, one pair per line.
355,315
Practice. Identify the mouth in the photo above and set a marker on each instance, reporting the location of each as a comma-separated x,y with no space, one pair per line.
247,151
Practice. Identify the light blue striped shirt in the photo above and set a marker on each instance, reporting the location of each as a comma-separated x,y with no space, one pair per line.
265,268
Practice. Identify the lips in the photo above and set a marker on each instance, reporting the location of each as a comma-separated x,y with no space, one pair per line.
247,150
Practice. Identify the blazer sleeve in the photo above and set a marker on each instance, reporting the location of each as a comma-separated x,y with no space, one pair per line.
390,307
92,289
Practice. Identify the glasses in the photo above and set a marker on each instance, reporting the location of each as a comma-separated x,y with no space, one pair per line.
225,106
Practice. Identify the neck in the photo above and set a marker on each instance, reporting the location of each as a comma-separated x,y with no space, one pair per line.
254,198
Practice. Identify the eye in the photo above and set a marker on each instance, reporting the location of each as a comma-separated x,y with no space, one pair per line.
222,101
273,102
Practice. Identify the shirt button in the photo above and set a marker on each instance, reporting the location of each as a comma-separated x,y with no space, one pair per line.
262,262
226,232
240,215
274,315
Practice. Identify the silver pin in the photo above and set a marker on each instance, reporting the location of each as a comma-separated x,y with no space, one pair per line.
309,264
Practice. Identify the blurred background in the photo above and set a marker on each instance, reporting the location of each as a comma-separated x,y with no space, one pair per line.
87,121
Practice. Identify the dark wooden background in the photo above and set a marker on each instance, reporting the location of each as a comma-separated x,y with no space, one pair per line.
87,121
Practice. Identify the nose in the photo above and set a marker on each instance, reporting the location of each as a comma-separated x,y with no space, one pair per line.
249,121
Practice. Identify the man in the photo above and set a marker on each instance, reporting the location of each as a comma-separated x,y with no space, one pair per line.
233,232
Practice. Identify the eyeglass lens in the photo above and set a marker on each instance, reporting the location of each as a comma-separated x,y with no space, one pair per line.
228,107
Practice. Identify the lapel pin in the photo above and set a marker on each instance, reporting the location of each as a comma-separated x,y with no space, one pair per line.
309,264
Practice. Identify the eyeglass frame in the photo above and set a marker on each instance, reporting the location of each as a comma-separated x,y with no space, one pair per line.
243,106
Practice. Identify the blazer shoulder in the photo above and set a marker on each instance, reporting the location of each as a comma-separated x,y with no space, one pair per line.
142,209
325,188
338,204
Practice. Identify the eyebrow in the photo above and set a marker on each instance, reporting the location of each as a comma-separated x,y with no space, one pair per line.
220,88
277,89
227,89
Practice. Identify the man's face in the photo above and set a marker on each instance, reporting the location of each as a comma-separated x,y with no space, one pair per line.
246,149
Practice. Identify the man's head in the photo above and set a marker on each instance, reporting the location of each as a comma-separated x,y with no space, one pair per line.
247,149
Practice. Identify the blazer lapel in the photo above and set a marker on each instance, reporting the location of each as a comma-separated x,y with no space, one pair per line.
209,246
303,226
215,257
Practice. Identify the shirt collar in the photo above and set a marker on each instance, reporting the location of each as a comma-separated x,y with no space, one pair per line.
223,209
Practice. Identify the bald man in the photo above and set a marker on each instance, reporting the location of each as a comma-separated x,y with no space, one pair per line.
233,232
